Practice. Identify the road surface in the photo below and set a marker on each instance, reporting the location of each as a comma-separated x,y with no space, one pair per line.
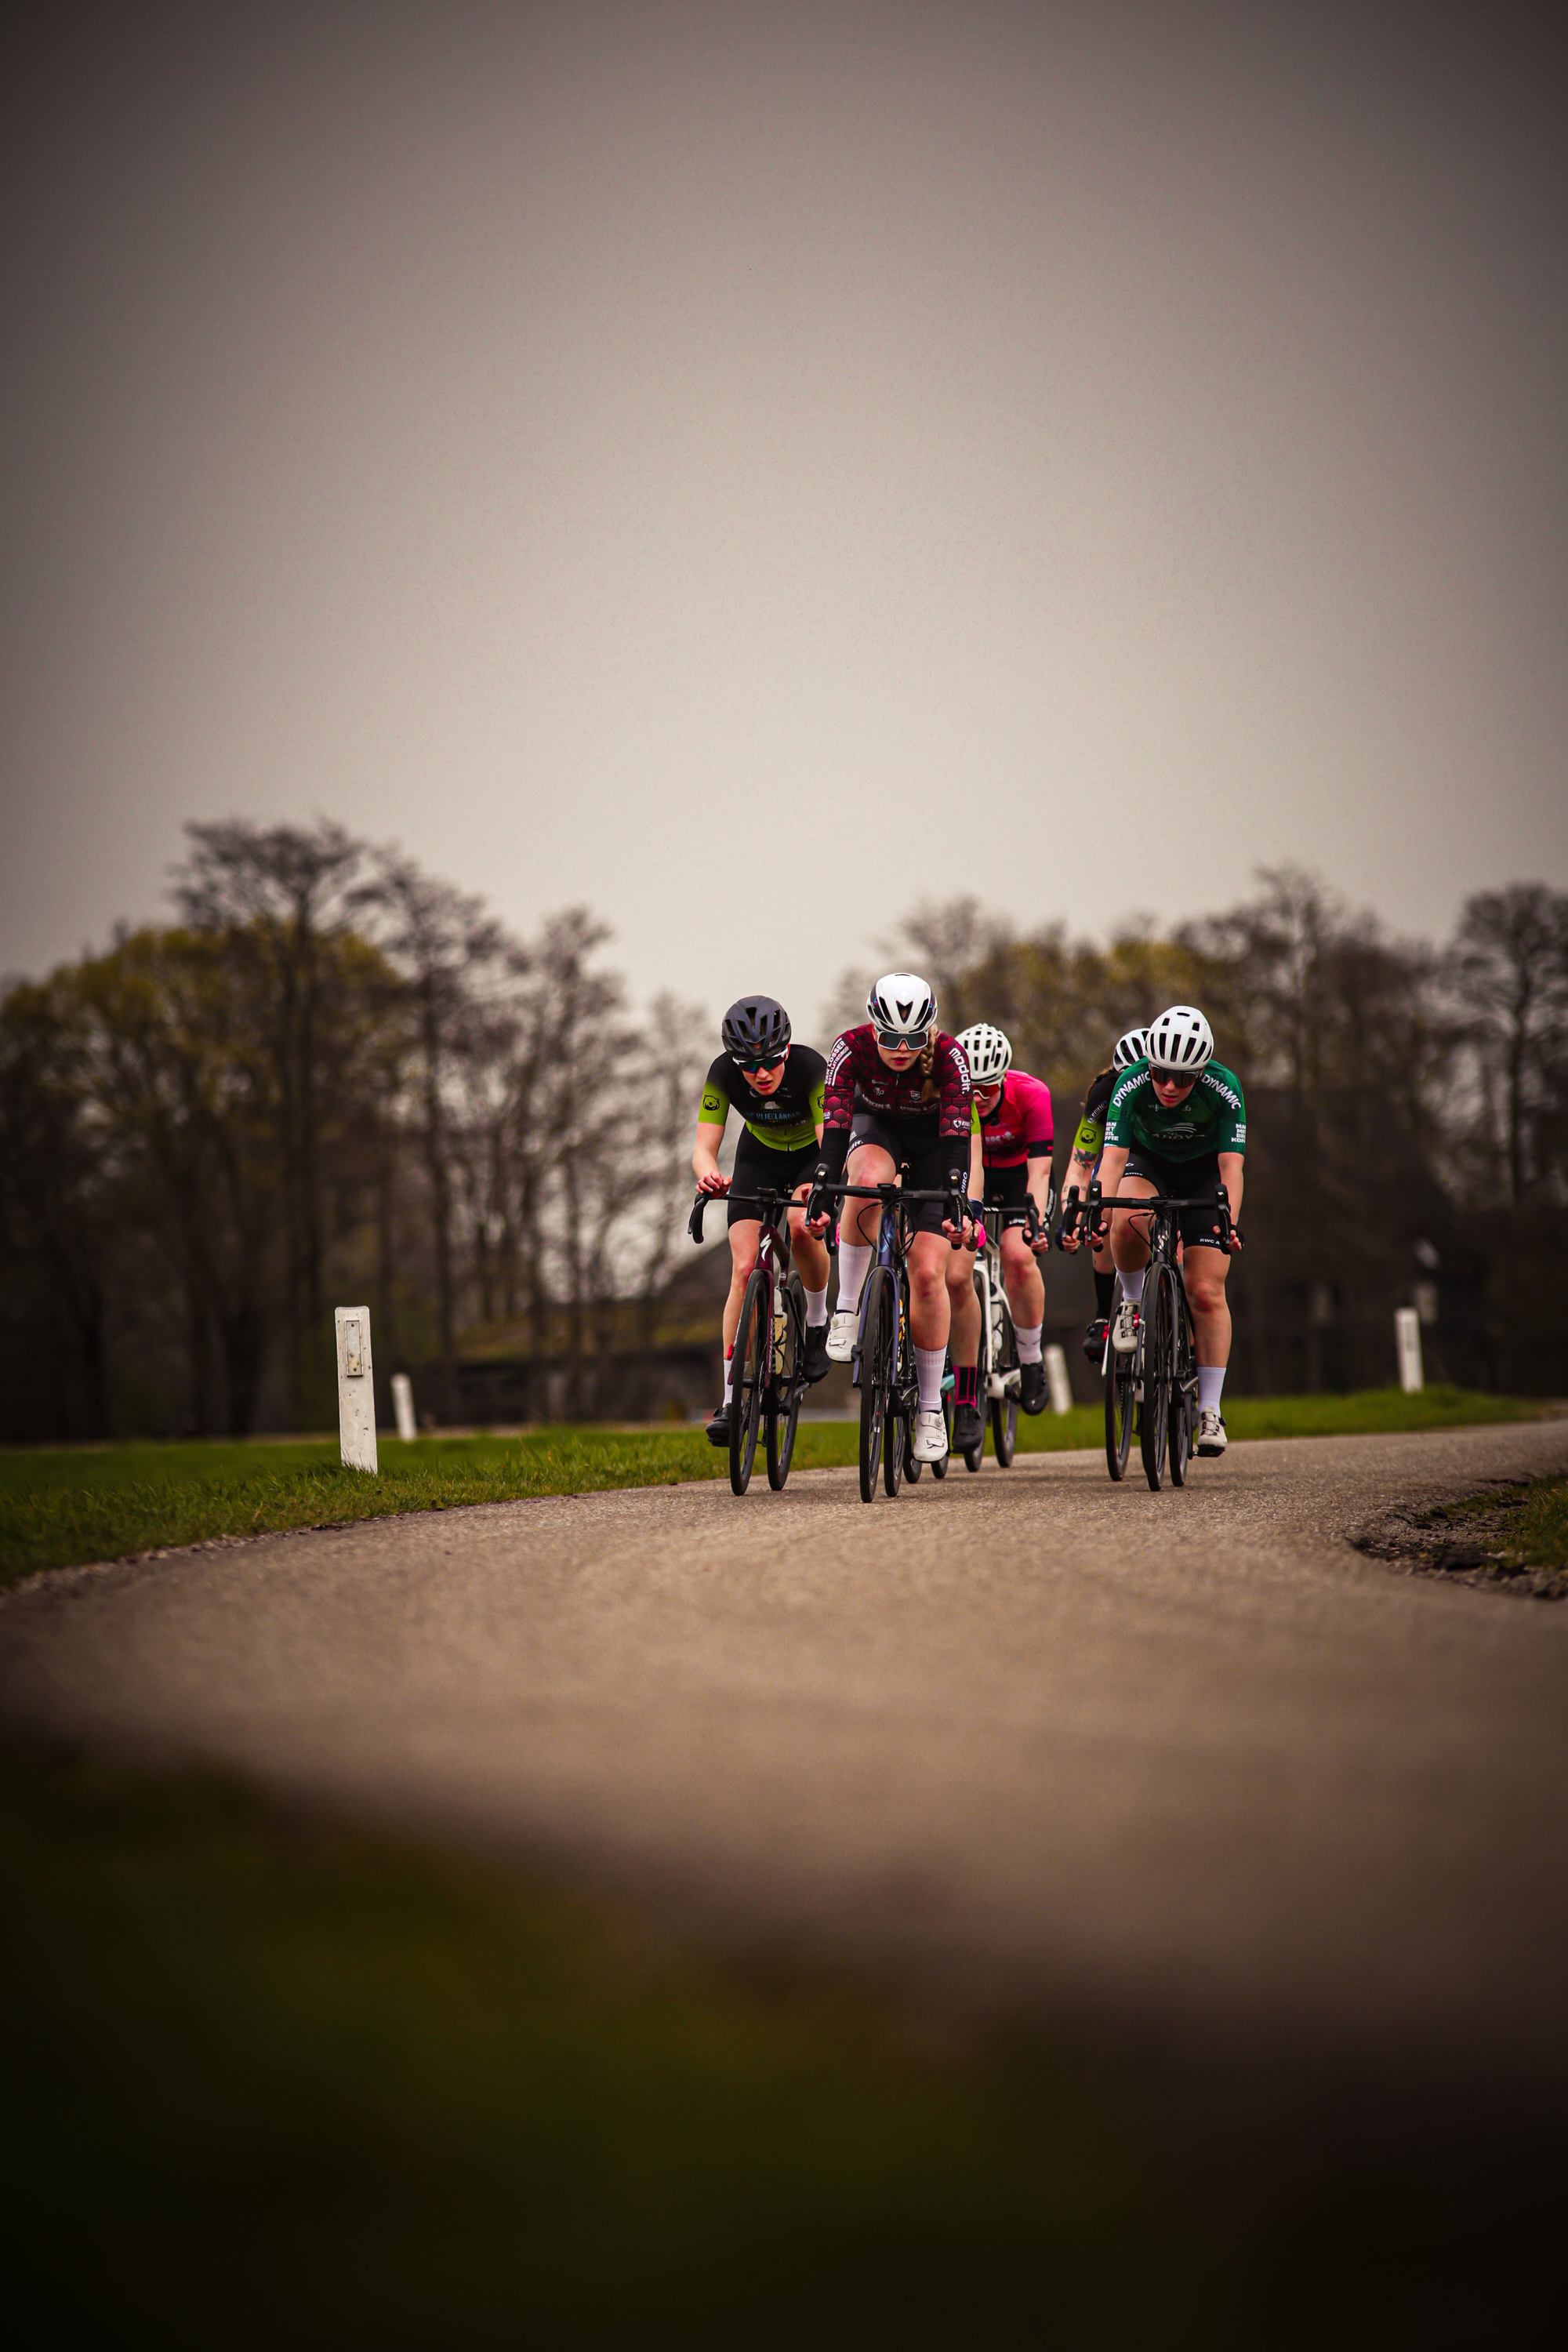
1181,1764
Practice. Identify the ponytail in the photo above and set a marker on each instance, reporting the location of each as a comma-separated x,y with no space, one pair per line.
929,1091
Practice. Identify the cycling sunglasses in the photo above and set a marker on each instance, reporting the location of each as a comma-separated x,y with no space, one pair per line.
752,1067
915,1039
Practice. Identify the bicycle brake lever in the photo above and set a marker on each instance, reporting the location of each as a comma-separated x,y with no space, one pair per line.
694,1222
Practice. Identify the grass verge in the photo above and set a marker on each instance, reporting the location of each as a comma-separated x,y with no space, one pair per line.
60,1507
282,2080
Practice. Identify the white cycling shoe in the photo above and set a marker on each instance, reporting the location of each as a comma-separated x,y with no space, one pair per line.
842,1333
1125,1330
930,1436
1211,1437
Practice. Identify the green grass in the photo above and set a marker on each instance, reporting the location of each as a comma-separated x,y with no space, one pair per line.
287,2082
63,1505
1540,1534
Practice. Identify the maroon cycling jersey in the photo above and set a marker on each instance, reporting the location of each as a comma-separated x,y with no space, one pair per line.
1020,1125
858,1078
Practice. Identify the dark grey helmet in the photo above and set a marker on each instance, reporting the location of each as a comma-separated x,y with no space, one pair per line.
756,1029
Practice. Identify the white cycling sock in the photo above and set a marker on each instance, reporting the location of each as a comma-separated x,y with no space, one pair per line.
1132,1283
729,1374
1211,1381
928,1364
1027,1335
816,1307
854,1265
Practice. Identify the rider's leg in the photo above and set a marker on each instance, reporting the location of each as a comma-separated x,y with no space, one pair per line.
930,1316
1130,1239
963,1305
744,1235
811,1263
1104,1276
1026,1289
1204,1271
860,1221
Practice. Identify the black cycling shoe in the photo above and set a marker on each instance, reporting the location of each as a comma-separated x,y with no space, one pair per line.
1094,1338
968,1429
718,1427
814,1363
1032,1387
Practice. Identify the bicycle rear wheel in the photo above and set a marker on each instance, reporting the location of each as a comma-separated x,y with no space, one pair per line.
1119,1408
751,1367
786,1387
1004,1409
877,1327
1159,1345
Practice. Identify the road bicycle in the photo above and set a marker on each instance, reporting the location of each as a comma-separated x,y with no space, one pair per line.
768,1359
1158,1383
1001,1375
884,1358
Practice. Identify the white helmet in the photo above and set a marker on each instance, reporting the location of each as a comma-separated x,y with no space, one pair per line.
1132,1047
903,1005
1180,1041
989,1052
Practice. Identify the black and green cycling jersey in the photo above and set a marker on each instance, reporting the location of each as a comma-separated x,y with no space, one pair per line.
787,1120
1212,1118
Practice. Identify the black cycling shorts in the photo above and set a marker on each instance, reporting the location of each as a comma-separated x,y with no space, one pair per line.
760,1167
1185,1180
1008,1191
928,1153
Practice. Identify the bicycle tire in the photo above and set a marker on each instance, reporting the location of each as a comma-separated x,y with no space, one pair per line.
1182,1391
1159,1345
750,1359
782,1415
1004,1409
899,1443
875,1375
1119,1410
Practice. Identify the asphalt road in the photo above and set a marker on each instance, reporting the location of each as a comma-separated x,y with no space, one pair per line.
1184,1765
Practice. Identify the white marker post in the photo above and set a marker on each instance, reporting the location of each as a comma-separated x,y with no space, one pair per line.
1407,1339
402,1407
1056,1376
356,1390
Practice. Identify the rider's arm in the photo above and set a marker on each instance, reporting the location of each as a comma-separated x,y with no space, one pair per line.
1231,1168
1113,1167
705,1159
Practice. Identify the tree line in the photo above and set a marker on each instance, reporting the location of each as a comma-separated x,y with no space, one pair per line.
335,1075
1407,1111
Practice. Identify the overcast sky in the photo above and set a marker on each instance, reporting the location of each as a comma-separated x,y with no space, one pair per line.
750,469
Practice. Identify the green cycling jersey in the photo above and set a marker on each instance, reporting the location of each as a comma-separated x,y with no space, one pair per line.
788,1118
1213,1118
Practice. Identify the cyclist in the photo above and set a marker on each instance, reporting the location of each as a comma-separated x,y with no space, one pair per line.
776,1087
1015,1138
899,1092
1177,1123
1086,1146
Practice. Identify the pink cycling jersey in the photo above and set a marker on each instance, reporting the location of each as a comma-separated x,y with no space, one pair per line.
1020,1126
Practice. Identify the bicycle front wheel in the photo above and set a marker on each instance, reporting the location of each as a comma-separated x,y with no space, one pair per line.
1183,1386
1159,1345
898,1447
1004,1408
1119,1411
752,1370
878,1327
786,1386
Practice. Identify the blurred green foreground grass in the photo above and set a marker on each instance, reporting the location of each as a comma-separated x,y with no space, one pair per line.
267,2078
63,1505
